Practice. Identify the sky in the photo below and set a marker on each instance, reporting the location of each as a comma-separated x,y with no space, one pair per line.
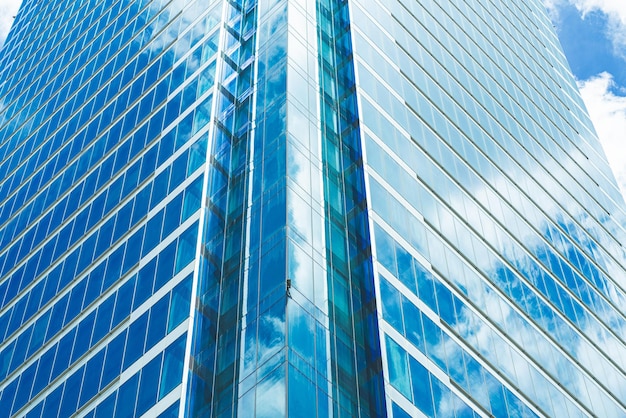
593,35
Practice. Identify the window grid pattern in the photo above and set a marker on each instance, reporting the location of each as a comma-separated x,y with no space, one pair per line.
482,177
103,139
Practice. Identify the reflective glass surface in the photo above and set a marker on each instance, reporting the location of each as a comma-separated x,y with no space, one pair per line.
103,138
497,225
276,208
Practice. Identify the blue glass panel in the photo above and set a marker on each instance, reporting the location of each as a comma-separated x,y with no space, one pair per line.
112,365
165,266
399,412
127,397
124,301
145,281
71,392
397,362
157,325
64,351
43,371
83,336
24,387
305,390
172,411
392,311
422,393
181,301
102,323
171,375
91,383
36,411
106,408
148,385
136,340
53,402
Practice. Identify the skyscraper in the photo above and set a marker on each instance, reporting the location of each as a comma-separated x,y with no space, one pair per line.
303,208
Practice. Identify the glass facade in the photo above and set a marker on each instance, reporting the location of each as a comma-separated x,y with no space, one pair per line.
303,208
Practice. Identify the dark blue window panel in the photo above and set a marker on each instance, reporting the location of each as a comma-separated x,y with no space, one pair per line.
21,348
83,336
39,333
145,283
157,325
172,373
91,383
159,187
181,301
114,266
136,340
399,412
75,304
165,267
94,284
153,232
107,407
57,316
172,411
53,402
133,250
64,352
148,385
122,221
24,387
103,319
44,369
17,313
127,397
6,398
422,393
124,301
112,366
71,392
105,236
172,215
36,411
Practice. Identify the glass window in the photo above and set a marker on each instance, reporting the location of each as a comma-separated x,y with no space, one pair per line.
70,393
135,340
181,299
172,366
103,319
397,362
76,301
390,298
422,393
148,385
83,336
112,363
93,371
157,324
153,232
124,302
127,397
24,387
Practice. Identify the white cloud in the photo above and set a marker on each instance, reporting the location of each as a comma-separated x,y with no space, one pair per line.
608,113
8,9
615,10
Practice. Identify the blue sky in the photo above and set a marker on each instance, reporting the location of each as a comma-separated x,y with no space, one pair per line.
593,35
586,40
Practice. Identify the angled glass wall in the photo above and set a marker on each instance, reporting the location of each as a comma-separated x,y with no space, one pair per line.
103,138
496,222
